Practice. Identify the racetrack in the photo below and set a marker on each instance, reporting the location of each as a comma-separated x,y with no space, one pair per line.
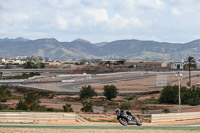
95,128
50,130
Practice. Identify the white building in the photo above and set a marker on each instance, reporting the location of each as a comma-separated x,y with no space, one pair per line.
177,65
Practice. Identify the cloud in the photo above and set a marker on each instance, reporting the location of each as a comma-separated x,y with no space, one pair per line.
118,22
175,11
62,23
99,20
154,4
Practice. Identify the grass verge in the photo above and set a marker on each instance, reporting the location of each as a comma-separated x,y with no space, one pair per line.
119,128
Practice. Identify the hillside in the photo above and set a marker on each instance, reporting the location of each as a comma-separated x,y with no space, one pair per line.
78,49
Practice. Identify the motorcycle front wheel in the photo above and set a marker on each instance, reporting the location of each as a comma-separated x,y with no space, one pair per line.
123,121
138,122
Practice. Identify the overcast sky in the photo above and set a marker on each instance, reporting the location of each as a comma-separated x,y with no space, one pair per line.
101,20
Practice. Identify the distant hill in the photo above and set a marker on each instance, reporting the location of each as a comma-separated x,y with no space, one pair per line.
79,48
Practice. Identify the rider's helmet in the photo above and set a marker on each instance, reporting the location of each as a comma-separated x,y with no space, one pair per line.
117,110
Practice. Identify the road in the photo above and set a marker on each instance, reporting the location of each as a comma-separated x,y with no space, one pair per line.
74,86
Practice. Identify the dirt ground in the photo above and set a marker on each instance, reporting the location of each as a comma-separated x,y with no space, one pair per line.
47,130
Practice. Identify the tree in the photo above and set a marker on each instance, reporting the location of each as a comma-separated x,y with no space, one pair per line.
87,92
4,93
190,63
30,102
87,105
110,91
191,96
67,108
41,65
29,65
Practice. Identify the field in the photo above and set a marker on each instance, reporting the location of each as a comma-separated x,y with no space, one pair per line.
137,102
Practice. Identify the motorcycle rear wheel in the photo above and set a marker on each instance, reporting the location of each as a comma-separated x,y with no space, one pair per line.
123,121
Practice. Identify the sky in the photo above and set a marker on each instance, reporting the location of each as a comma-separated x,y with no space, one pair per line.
101,20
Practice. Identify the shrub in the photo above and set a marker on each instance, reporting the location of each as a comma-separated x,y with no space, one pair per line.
4,93
3,106
165,110
189,96
169,94
105,108
67,108
144,109
21,105
110,91
50,109
87,92
87,105
125,105
30,102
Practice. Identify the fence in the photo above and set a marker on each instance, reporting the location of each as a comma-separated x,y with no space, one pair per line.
174,116
36,117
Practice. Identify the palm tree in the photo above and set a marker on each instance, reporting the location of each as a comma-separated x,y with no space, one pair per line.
190,63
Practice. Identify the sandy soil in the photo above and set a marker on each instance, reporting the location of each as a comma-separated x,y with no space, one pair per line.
46,130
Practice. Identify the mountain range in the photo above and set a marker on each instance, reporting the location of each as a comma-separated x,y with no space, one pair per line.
80,48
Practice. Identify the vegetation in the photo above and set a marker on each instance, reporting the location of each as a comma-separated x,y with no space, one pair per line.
189,96
3,106
67,108
151,100
166,110
110,91
87,92
87,105
32,65
90,61
190,63
105,108
129,98
4,93
24,76
125,105
30,102
144,109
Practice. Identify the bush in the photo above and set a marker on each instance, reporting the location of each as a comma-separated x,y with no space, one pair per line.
4,93
125,106
87,92
165,110
110,91
67,108
21,105
144,109
105,108
189,96
50,109
3,106
87,105
169,94
30,102
37,107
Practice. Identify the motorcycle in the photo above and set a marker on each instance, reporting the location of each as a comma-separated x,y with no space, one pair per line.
125,118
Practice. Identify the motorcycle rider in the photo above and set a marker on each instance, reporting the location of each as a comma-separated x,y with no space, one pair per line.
118,110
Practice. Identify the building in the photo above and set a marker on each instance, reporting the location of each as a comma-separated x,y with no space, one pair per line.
177,65
3,60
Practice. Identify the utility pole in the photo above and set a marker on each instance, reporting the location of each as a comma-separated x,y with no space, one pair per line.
179,75
147,65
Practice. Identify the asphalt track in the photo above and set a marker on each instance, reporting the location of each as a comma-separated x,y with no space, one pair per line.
73,86
91,124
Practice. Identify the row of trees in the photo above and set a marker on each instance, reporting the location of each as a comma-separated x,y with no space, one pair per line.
191,96
110,92
32,65
87,92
